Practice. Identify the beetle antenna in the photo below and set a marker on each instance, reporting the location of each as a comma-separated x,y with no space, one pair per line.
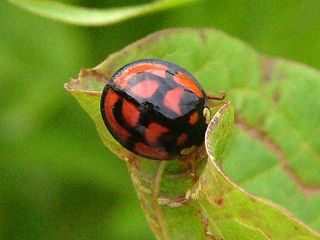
222,96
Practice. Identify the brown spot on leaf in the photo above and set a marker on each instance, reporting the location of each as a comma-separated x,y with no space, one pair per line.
267,66
205,223
93,73
219,201
172,203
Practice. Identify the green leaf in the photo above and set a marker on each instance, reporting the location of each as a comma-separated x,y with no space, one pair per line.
266,184
228,211
94,17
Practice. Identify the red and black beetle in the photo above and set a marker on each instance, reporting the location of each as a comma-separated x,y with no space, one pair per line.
154,108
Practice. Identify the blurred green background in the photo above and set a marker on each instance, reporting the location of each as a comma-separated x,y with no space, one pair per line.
57,180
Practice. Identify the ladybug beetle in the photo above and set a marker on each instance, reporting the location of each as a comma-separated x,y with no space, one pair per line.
154,108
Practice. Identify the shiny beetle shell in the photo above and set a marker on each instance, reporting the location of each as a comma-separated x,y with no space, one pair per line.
154,108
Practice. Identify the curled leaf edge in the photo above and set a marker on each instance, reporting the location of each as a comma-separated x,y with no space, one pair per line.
193,194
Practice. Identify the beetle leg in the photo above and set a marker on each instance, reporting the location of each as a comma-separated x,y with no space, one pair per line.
187,151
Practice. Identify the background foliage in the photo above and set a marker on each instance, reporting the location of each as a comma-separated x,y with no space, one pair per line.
57,179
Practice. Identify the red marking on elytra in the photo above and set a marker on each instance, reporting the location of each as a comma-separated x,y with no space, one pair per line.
172,100
158,72
111,99
153,132
193,118
188,83
130,113
156,69
150,151
182,138
145,89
